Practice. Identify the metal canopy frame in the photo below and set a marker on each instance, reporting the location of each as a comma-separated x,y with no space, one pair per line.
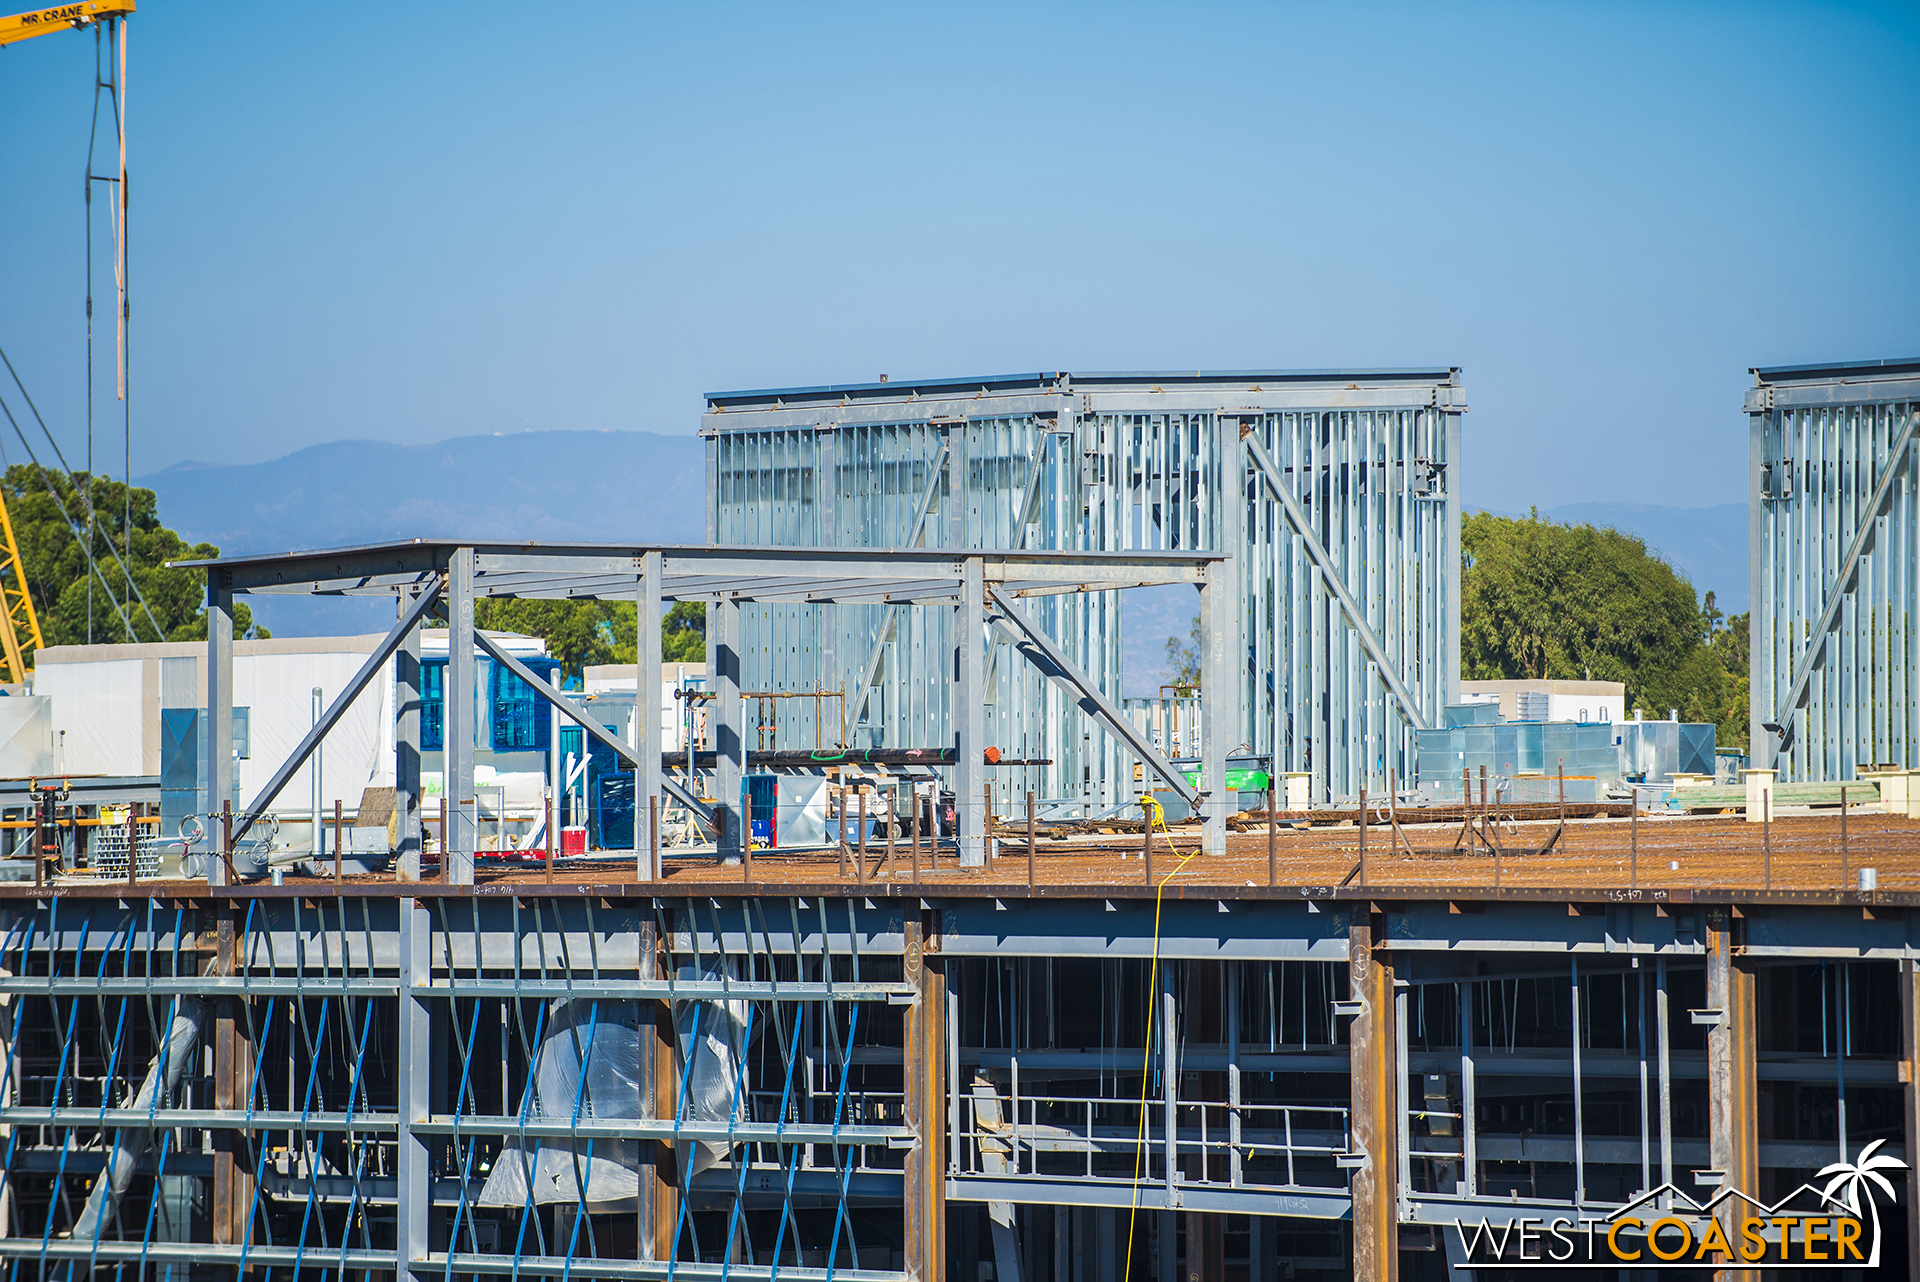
420,573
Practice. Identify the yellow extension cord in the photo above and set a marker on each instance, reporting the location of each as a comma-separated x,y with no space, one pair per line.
1155,815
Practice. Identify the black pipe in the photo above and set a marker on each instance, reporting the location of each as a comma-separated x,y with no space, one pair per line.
803,757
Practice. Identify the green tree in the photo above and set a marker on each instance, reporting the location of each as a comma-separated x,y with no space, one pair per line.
1577,602
584,633
161,605
683,633
1184,658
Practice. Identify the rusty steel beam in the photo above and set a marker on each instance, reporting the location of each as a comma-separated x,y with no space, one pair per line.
1909,1074
923,1060
1732,1085
232,1203
1375,1101
659,1197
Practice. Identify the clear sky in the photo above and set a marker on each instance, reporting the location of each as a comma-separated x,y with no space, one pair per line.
411,222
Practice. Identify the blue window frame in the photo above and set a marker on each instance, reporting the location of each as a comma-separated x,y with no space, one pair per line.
521,722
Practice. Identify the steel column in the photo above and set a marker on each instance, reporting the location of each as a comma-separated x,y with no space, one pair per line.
970,714
659,1194
457,721
924,1085
1220,692
233,1052
412,1057
216,727
1909,1075
406,748
1375,1102
723,665
646,713
1732,1091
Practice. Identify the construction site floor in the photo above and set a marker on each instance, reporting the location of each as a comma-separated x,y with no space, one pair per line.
1794,857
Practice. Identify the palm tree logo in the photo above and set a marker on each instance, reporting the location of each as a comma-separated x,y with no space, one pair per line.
1850,1179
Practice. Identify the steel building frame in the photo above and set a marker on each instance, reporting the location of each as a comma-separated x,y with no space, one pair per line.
290,1078
1835,537
1345,534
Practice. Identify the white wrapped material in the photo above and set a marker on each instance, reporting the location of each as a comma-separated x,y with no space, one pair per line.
603,1173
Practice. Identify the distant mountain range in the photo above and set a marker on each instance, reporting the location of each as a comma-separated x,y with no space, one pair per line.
640,487
553,487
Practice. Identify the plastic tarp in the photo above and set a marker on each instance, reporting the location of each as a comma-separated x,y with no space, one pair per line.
588,1066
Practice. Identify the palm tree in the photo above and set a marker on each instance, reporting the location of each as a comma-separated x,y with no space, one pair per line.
1855,1176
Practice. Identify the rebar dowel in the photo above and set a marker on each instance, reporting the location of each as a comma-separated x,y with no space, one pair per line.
933,834
226,839
860,866
1031,848
549,827
1766,834
1633,837
443,838
893,818
746,837
840,793
1273,835
653,838
339,826
1843,839
913,835
986,824
1146,847
133,842
1363,830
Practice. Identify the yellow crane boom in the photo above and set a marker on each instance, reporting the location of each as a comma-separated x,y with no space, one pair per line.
62,17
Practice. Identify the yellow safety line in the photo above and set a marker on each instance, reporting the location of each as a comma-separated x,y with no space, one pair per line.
1153,1019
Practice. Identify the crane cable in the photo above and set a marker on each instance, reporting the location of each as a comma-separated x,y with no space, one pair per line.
159,632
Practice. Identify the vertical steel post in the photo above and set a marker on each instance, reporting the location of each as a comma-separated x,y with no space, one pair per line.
1579,1109
1169,1080
406,750
1219,687
339,844
413,1055
1032,848
647,736
970,715
1732,1092
1909,1075
1663,1035
1469,1095
659,1193
1273,834
216,727
233,1053
729,747
1375,1108
924,1206
457,720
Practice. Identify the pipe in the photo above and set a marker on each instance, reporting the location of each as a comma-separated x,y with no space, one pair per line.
129,1144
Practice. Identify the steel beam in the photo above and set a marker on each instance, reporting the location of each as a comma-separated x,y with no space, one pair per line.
1329,573
412,1104
1375,1101
216,727
970,716
1732,1089
1220,698
374,664
587,724
1909,1074
923,1081
646,715
406,746
457,721
723,668
1045,654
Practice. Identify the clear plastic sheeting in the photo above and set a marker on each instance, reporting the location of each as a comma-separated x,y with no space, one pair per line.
587,1068
712,1036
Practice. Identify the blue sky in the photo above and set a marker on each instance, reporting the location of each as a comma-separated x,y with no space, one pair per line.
416,222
